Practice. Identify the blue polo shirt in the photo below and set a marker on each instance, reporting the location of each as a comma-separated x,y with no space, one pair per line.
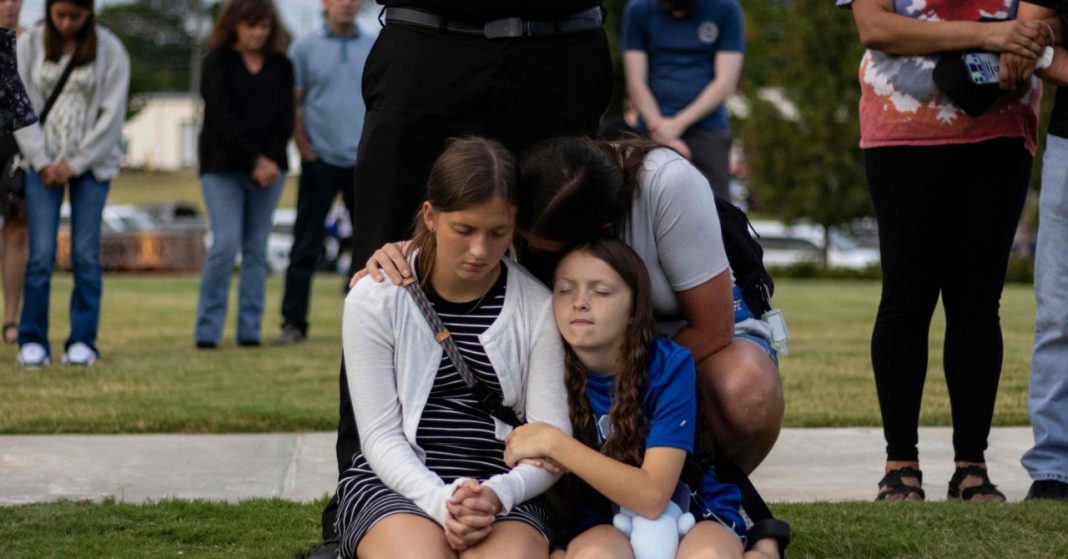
328,68
682,52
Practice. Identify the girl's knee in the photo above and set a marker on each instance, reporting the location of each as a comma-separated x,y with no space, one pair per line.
511,540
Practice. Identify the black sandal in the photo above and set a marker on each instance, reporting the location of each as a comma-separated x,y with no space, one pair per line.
893,486
969,493
9,327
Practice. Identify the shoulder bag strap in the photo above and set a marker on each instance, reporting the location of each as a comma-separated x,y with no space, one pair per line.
57,90
486,397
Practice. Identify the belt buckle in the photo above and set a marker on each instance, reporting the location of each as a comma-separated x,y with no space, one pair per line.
508,27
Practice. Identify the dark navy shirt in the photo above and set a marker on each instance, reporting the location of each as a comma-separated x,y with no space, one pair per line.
682,52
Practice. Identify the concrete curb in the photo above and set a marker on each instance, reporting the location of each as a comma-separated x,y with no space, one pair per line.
806,465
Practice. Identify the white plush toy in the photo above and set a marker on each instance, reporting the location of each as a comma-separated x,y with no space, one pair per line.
655,539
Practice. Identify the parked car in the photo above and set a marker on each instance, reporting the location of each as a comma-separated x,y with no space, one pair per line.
335,255
786,245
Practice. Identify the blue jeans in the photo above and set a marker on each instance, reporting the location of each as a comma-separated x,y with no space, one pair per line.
87,197
1048,459
240,214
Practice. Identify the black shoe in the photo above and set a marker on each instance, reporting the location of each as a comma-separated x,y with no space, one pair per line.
326,551
290,335
248,343
1049,489
207,345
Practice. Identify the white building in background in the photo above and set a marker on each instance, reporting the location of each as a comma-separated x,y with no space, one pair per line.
162,136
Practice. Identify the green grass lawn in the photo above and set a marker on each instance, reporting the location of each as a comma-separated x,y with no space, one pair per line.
280,529
151,379
135,187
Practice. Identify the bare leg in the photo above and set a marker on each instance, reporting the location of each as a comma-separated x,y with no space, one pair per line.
16,252
710,540
510,539
399,536
743,401
600,542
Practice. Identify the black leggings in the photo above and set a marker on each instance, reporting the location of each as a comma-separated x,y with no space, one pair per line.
947,216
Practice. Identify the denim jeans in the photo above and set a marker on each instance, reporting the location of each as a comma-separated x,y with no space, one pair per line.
1048,459
87,197
240,213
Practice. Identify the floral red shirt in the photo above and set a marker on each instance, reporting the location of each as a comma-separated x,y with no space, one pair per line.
900,104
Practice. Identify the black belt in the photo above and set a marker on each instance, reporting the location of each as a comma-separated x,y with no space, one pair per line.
509,27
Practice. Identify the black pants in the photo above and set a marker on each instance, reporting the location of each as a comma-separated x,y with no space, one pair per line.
423,87
947,216
711,150
320,183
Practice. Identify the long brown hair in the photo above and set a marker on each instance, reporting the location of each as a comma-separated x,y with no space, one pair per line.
573,187
224,35
469,172
626,443
85,51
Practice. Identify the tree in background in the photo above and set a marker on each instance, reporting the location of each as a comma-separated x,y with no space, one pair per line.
163,38
805,162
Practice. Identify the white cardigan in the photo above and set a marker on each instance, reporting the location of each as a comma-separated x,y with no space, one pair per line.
100,150
391,359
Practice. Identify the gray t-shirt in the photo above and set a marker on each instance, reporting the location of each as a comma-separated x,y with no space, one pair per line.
674,228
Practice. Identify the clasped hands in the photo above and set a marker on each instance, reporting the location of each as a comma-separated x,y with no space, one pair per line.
265,172
473,508
57,174
668,131
471,512
1021,43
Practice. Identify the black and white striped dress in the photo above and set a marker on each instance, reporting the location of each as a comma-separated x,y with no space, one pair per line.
457,435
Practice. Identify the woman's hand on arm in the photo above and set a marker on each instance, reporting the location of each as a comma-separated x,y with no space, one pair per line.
709,312
389,261
880,28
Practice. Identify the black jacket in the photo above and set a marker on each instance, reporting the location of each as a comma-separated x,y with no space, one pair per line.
245,115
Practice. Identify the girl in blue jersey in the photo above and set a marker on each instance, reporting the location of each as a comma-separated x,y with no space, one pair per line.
633,407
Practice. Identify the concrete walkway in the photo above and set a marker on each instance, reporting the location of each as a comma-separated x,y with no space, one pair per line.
806,465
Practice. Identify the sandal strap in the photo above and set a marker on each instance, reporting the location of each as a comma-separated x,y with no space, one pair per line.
893,484
984,488
894,476
902,489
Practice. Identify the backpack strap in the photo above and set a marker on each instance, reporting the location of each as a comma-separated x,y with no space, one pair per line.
765,525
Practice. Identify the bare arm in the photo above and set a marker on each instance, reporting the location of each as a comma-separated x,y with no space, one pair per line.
645,490
709,312
728,70
636,70
882,29
1057,72
300,136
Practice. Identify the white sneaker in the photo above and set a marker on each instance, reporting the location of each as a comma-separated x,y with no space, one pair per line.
79,354
32,356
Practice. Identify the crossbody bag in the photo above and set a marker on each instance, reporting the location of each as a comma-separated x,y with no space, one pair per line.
12,175
488,399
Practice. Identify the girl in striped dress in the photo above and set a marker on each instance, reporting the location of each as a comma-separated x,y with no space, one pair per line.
430,479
